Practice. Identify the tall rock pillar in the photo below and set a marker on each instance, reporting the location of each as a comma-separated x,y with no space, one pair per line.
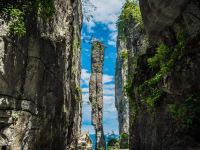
96,92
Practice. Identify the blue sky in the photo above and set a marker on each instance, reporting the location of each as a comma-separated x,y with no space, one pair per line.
101,26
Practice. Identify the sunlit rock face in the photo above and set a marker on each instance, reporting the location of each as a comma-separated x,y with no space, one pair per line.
132,42
121,99
96,92
171,121
40,100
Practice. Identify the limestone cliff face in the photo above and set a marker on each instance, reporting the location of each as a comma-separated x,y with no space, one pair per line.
121,100
40,100
96,92
132,42
164,76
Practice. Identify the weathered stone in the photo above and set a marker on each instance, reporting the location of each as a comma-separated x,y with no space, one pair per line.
162,126
121,99
96,92
132,42
161,14
40,103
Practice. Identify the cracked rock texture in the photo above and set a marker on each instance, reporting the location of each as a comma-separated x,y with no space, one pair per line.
96,92
121,99
161,127
40,100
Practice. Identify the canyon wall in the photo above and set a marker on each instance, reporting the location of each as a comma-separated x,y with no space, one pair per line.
163,75
40,99
121,99
96,92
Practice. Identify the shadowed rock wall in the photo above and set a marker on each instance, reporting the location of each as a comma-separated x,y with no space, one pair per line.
40,100
163,75
165,98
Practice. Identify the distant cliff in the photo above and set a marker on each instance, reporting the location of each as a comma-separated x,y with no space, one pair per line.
40,99
163,76
121,99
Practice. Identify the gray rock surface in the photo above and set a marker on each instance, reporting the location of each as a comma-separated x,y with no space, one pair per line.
159,128
40,100
96,92
158,14
121,99
132,42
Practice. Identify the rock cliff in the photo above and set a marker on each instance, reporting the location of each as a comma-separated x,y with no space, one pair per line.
121,100
131,41
163,75
96,92
40,100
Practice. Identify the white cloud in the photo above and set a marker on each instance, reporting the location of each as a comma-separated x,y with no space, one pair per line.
85,77
113,38
108,100
109,86
90,25
107,78
111,43
85,90
109,110
85,97
106,12
87,128
112,27
109,89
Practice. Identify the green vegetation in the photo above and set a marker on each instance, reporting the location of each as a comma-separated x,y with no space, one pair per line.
45,8
17,25
162,63
16,20
124,137
162,53
186,114
15,13
88,8
113,142
94,104
15,117
124,55
128,92
76,43
97,45
130,11
128,87
78,91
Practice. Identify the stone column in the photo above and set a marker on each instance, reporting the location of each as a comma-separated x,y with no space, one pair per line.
96,92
